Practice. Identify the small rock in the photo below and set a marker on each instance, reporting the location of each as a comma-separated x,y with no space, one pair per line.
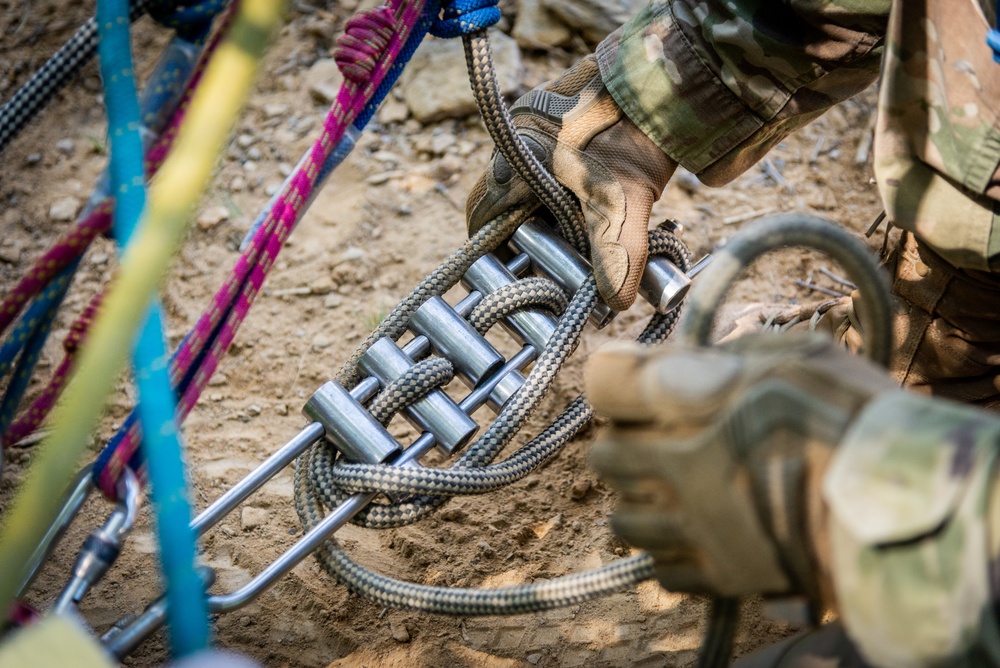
251,518
322,342
533,659
218,380
386,156
10,254
485,549
323,80
255,154
281,409
33,159
332,301
399,632
454,515
245,140
65,146
285,169
382,177
303,127
253,410
537,27
249,166
436,84
579,490
64,209
215,396
322,286
10,218
272,188
274,109
212,216
351,254
392,111
442,142
237,184
595,19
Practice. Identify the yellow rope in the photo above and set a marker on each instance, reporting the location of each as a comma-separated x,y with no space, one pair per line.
180,184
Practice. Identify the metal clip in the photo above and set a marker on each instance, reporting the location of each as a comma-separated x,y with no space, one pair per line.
101,548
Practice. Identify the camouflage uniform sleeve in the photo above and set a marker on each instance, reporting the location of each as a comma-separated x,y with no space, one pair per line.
716,84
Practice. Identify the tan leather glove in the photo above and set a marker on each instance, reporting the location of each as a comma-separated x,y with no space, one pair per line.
718,454
576,129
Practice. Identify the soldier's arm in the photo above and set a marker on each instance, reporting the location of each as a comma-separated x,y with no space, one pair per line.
717,83
782,465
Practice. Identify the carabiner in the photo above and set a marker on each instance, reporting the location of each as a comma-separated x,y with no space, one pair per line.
101,548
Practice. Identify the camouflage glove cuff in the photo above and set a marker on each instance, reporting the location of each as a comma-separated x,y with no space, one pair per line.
913,511
575,128
718,454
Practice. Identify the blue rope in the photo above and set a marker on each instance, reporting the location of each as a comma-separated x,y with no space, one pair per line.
47,305
187,610
462,17
192,21
43,306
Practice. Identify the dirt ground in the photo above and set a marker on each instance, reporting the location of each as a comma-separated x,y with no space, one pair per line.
387,217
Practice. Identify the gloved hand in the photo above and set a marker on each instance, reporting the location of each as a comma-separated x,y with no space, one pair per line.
575,128
718,454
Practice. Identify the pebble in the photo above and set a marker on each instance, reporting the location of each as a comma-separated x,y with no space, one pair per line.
237,184
686,181
212,216
253,410
65,146
485,549
274,109
64,209
245,140
255,154
393,111
454,515
215,396
33,159
218,380
322,286
399,632
533,659
351,254
251,518
442,142
579,490
249,166
332,301
272,188
281,409
322,342
285,169
10,254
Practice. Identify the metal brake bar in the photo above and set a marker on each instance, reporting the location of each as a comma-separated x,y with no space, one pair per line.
120,643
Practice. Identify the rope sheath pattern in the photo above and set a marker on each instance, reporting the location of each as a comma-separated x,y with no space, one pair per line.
201,352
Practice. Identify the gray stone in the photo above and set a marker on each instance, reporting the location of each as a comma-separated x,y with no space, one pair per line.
399,632
323,80
594,19
65,146
10,254
537,27
436,84
64,209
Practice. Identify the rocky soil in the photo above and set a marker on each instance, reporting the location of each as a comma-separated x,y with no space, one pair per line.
387,217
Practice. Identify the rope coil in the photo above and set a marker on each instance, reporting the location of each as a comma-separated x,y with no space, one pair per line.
363,42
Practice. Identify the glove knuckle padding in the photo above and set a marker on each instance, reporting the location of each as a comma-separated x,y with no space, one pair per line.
913,511
579,133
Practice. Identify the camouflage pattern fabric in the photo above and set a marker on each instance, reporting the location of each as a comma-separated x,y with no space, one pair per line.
913,510
717,84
